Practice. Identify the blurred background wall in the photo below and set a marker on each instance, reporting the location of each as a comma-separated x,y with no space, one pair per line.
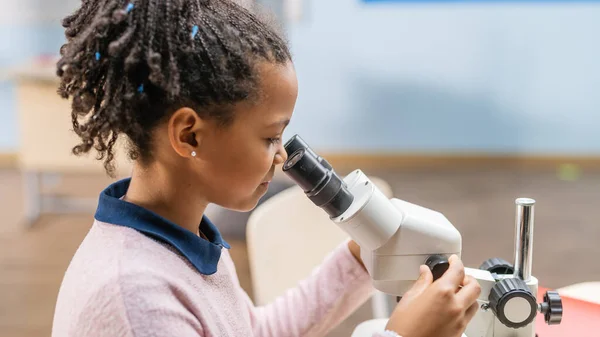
407,76
427,76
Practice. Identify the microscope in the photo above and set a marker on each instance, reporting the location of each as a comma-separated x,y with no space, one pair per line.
397,237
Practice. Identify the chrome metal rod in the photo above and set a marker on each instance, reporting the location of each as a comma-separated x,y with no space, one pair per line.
524,238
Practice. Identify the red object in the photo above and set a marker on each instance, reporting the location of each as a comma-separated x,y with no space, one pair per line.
580,318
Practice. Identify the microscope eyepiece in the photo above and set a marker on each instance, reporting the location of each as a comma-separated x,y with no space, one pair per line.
306,171
316,177
293,144
293,159
296,143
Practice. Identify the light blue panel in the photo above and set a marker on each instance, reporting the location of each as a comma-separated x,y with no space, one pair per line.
449,77
476,1
19,42
8,123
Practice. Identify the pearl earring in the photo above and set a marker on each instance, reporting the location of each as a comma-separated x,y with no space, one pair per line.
193,153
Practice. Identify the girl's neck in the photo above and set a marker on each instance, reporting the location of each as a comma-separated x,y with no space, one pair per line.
166,195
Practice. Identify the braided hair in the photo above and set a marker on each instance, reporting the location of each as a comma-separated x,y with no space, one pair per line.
127,65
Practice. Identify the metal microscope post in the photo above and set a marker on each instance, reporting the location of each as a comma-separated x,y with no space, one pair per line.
524,238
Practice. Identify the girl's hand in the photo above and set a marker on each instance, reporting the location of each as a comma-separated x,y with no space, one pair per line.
437,309
355,250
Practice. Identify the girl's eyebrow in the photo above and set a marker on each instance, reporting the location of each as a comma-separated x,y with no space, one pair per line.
283,122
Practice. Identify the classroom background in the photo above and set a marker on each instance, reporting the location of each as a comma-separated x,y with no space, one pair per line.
459,106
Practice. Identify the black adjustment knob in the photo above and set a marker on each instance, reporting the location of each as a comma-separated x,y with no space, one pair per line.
497,266
438,265
513,303
552,308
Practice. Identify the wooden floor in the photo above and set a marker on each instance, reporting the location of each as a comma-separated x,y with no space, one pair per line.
479,203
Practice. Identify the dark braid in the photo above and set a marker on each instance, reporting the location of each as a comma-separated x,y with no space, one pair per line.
128,65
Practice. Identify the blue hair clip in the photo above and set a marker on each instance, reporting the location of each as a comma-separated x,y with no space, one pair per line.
129,7
97,56
194,31
141,88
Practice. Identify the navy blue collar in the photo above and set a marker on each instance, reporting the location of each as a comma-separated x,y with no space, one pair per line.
203,255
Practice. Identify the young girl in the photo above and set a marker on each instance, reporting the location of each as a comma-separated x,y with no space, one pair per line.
202,90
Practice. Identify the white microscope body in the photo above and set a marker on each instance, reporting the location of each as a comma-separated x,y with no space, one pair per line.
396,237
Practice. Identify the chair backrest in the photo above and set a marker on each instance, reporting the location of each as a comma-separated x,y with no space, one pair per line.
287,237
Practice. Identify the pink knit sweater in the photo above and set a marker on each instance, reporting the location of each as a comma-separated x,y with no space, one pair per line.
124,282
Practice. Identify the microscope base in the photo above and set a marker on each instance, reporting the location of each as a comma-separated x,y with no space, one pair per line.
370,327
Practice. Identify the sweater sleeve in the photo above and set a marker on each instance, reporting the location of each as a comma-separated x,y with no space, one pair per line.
319,303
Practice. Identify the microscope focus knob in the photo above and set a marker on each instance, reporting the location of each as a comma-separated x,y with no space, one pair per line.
552,308
513,303
497,266
438,265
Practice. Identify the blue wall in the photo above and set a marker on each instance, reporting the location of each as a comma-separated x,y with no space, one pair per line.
420,77
501,77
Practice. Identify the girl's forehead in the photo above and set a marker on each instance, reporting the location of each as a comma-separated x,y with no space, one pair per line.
277,93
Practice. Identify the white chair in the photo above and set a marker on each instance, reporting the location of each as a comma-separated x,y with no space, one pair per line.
287,237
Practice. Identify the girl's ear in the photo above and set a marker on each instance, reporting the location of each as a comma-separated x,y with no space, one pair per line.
185,130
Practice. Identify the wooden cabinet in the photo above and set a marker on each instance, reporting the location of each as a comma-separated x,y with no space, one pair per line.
45,129
46,139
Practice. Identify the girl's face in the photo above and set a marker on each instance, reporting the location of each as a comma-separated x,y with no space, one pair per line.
235,164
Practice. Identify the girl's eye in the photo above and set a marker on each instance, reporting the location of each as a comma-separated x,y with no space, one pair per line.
274,140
